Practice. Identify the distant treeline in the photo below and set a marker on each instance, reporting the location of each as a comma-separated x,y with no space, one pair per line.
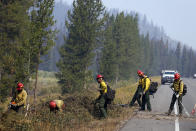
93,41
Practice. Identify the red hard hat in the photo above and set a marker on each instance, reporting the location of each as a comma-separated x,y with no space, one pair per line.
20,85
139,72
52,105
99,76
177,76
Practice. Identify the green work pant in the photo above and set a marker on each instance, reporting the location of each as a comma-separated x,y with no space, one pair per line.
179,103
18,109
102,105
146,100
137,97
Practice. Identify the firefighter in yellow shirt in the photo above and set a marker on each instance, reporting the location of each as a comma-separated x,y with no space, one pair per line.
57,105
19,99
178,93
145,94
137,95
102,101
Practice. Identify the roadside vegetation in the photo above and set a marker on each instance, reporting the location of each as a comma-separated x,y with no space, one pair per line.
95,41
79,113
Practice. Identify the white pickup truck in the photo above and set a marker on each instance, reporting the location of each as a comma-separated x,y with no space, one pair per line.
194,76
167,76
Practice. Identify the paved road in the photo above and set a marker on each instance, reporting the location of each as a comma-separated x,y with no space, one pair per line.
157,120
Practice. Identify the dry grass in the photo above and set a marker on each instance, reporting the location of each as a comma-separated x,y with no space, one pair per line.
156,79
47,84
79,112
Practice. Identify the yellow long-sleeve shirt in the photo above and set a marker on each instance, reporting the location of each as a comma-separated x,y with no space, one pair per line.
20,98
145,83
178,86
103,87
59,104
140,81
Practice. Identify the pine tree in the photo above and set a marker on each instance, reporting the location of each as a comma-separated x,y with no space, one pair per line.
194,62
178,57
42,33
191,65
119,40
125,39
185,61
76,55
108,63
146,65
131,40
14,25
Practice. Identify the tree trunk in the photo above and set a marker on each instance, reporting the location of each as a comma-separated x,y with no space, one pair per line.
28,80
117,75
85,80
116,79
36,78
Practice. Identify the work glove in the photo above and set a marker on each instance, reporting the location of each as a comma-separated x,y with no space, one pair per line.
14,105
177,96
172,86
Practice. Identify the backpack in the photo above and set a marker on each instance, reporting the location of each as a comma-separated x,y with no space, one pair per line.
110,95
184,88
153,87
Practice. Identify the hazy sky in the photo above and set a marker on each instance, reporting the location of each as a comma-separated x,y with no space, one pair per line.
177,17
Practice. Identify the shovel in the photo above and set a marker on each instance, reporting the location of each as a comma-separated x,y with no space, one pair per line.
182,104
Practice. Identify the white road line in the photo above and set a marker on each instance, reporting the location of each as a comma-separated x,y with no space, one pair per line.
177,128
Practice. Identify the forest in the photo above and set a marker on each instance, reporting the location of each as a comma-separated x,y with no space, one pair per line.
81,41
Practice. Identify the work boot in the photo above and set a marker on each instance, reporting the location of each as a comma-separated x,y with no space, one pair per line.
180,114
169,112
130,105
149,110
141,109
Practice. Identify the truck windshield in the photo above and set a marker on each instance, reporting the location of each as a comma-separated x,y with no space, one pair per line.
169,73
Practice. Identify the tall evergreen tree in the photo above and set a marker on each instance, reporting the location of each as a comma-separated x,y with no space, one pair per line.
194,62
108,62
119,37
145,65
14,25
126,36
191,65
76,55
185,61
129,66
178,57
42,32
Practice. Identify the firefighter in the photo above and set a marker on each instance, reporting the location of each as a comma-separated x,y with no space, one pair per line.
57,105
101,102
145,92
18,102
138,92
177,86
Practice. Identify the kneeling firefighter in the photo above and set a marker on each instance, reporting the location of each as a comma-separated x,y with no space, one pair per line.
19,99
56,105
101,102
